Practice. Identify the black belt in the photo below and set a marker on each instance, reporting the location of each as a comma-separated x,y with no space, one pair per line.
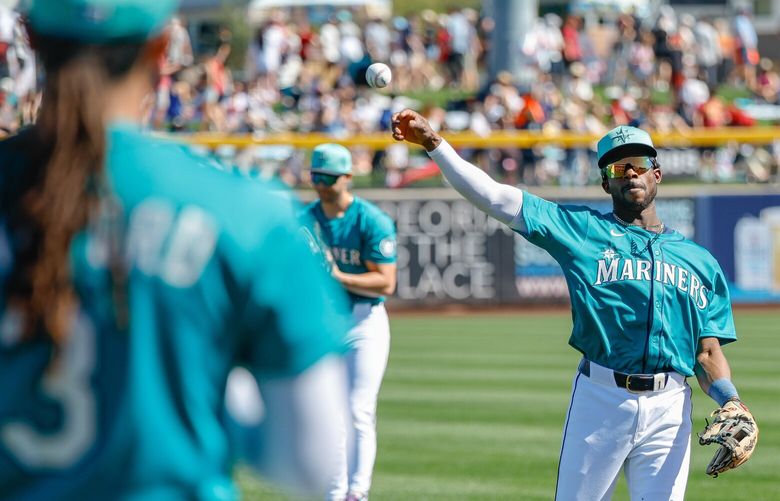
631,382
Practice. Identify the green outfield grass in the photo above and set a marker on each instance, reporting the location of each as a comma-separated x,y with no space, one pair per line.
472,408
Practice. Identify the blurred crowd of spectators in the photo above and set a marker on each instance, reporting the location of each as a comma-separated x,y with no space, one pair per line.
19,95
582,74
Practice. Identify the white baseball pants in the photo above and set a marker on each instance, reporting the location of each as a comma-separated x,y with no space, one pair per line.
609,429
366,363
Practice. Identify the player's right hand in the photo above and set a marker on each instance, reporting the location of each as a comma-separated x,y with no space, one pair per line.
410,126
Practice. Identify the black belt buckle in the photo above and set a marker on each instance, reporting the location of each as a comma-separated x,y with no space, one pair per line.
646,382
628,385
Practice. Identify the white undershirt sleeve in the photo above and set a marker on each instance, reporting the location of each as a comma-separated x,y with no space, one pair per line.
498,200
303,426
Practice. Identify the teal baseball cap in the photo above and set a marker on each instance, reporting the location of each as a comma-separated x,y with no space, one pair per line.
99,21
331,158
624,141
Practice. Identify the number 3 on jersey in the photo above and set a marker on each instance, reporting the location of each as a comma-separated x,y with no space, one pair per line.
68,384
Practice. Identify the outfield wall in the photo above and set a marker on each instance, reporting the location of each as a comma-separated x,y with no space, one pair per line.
449,252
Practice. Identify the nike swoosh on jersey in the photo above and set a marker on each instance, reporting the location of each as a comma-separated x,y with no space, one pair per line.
616,234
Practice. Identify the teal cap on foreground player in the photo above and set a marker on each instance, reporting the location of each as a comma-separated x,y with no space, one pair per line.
624,141
99,21
332,159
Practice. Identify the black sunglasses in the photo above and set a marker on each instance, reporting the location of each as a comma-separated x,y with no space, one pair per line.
326,179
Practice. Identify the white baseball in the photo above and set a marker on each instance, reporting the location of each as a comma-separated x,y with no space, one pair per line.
378,75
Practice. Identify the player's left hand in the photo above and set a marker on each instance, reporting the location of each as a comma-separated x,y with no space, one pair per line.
734,429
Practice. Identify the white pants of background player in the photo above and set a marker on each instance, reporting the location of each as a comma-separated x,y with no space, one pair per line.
609,429
366,363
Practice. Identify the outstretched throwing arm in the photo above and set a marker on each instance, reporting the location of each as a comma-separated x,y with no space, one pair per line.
498,200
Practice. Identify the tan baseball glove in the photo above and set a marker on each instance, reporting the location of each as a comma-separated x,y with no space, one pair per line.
735,431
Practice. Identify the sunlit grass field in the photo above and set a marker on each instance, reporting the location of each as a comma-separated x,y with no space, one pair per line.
472,408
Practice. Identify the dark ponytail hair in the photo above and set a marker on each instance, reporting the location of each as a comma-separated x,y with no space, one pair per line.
65,172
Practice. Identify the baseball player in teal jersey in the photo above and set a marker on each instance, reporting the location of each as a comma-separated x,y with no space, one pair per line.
134,277
649,307
362,244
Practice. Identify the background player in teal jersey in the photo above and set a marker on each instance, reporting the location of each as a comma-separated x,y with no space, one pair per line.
361,241
650,308
131,283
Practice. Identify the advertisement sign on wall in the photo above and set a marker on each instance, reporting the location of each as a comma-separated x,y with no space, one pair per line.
743,233
448,251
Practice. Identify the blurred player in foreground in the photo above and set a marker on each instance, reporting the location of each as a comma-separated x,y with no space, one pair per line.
134,277
360,240
650,308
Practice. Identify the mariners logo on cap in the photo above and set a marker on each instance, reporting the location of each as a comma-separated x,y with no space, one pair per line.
623,135
624,141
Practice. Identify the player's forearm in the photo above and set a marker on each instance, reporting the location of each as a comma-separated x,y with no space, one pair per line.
498,200
713,372
711,365
372,281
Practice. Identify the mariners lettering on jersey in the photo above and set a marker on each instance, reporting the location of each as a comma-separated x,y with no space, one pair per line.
346,256
614,268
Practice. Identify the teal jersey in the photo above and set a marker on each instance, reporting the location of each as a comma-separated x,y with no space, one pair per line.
640,300
218,276
364,233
